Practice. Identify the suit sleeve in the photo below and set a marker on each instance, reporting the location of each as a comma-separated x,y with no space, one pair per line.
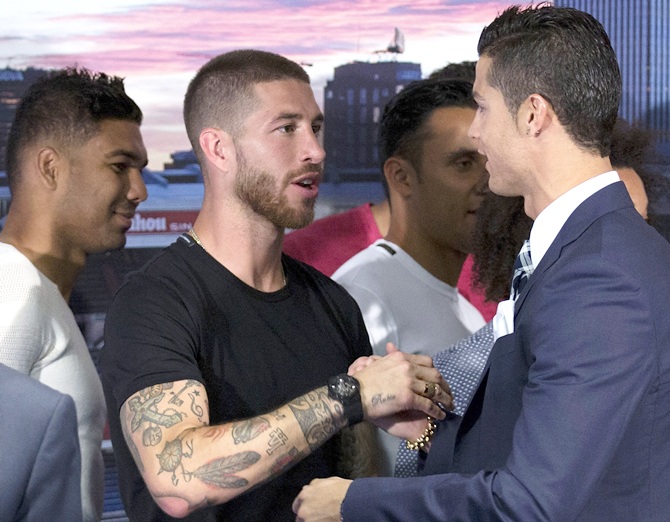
590,343
54,489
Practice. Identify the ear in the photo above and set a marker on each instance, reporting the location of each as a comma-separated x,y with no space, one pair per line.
217,146
399,175
49,165
536,115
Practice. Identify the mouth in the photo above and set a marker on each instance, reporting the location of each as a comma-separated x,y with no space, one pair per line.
309,181
126,218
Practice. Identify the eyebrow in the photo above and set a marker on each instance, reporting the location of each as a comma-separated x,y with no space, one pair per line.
462,152
128,154
295,116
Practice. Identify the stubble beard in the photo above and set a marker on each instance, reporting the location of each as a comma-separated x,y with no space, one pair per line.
255,187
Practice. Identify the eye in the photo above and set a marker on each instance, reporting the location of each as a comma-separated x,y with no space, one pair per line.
119,168
316,129
287,129
464,163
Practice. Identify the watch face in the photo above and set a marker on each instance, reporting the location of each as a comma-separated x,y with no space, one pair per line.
344,387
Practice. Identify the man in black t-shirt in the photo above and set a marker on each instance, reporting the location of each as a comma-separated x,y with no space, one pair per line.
225,363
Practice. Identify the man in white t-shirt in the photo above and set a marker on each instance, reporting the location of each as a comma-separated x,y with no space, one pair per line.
74,158
405,283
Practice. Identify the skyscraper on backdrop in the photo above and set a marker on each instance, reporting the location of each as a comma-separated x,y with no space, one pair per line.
13,85
640,34
353,103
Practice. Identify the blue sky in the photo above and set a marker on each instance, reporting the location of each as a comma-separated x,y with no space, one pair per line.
158,45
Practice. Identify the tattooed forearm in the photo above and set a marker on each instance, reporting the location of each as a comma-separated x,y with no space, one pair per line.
215,432
277,415
285,461
221,472
315,417
277,439
249,429
218,472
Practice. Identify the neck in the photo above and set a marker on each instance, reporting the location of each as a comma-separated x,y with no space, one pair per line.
249,248
441,262
381,213
555,172
61,271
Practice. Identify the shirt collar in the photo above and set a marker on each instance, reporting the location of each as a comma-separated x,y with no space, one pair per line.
550,221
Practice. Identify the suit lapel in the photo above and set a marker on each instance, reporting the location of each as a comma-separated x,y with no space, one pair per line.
609,199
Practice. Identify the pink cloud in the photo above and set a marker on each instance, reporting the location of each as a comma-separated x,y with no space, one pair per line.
177,37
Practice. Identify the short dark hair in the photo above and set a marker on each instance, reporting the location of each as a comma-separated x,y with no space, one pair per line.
456,71
221,93
66,106
402,126
565,56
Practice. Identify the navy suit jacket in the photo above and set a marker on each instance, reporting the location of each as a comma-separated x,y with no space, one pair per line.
39,452
571,420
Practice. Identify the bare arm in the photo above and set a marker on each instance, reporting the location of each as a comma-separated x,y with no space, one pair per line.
188,464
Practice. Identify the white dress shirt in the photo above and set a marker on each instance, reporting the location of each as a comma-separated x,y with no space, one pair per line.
546,227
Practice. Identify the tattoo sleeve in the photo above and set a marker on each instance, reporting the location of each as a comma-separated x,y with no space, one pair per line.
316,417
185,461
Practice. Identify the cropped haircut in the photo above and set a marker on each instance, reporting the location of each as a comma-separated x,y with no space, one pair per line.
66,108
565,56
221,95
456,71
402,128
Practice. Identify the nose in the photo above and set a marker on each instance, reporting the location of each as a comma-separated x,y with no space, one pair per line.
138,190
314,152
473,131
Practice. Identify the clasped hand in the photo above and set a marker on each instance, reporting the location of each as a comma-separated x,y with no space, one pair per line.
399,390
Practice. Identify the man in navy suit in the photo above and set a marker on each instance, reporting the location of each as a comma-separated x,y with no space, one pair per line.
39,459
572,414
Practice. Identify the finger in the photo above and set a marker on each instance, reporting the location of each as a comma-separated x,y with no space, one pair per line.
361,363
297,501
391,348
444,399
435,393
425,361
429,390
429,374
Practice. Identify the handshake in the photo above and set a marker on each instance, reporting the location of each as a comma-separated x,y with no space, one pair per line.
398,391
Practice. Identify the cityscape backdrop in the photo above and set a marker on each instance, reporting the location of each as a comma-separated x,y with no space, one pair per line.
158,45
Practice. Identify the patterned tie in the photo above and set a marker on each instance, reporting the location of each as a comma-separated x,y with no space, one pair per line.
523,268
461,365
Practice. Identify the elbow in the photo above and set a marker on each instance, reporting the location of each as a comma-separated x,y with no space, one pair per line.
175,507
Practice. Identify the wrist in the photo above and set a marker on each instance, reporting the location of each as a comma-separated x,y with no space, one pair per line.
347,391
423,442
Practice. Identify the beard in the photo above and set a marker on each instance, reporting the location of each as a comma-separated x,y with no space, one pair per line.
257,188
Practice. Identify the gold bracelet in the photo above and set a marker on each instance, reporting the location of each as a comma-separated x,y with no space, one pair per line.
421,442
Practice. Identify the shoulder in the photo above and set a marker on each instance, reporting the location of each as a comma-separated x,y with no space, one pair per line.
30,395
19,275
370,263
317,285
167,269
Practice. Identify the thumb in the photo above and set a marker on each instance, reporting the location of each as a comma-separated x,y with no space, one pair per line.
391,348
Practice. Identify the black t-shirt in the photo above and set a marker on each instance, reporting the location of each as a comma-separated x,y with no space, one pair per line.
185,316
